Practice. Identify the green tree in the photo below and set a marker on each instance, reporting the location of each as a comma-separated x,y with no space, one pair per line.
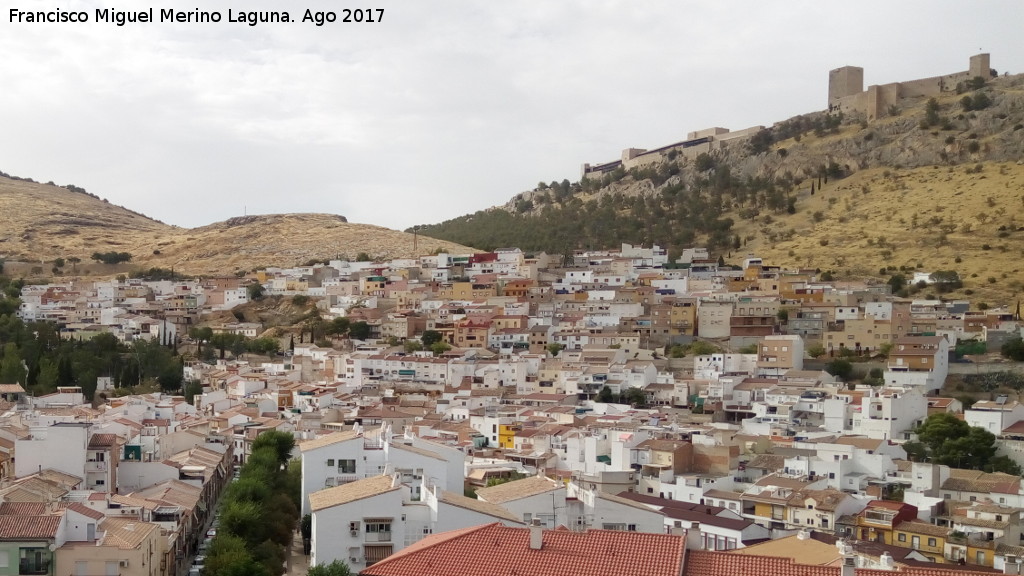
12,371
282,443
359,330
839,368
955,443
931,112
335,568
412,346
255,291
916,451
339,326
429,337
703,162
634,397
46,381
1013,349
885,348
605,395
897,282
702,348
363,257
439,348
554,348
946,280
815,351
192,389
229,556
171,377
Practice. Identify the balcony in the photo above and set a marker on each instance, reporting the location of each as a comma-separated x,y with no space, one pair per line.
378,536
95,466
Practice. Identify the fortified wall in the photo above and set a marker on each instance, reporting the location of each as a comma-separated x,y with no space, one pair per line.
696,143
846,88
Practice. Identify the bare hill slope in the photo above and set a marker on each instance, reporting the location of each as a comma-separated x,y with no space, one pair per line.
40,223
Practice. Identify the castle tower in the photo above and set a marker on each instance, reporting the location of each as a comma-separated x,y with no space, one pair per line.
980,67
845,81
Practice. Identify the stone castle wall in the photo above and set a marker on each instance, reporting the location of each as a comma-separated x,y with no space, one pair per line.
846,93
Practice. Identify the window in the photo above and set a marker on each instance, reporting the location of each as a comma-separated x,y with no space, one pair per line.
330,462
347,466
901,537
34,561
931,542
915,541
378,530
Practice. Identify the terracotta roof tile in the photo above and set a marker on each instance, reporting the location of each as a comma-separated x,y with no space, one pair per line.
29,527
351,492
480,506
126,533
517,489
478,550
327,440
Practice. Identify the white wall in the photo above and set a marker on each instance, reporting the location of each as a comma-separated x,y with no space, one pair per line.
58,447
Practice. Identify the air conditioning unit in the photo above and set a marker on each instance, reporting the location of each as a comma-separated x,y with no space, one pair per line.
355,559
354,532
123,563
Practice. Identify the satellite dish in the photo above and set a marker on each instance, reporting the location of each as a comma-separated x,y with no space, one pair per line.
53,547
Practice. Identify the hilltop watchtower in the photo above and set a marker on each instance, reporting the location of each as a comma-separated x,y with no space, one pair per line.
845,81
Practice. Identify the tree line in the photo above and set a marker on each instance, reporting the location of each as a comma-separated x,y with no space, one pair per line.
259,512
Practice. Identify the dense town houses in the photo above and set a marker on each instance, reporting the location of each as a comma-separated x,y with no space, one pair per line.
611,399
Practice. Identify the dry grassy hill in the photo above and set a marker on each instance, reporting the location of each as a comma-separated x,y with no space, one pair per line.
935,218
41,222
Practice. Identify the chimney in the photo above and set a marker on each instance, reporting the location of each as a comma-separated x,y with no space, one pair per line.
849,565
536,534
694,538
886,561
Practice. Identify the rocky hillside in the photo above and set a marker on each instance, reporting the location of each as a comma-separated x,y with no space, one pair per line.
935,185
40,223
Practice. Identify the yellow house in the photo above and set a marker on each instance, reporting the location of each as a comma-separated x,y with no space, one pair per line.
507,435
125,546
926,538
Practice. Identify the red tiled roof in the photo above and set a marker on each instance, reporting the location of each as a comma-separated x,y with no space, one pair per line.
707,563
29,527
478,550
24,509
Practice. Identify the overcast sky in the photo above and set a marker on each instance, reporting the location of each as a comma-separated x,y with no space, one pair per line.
442,108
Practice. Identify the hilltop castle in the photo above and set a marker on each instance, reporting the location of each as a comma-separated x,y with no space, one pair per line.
846,88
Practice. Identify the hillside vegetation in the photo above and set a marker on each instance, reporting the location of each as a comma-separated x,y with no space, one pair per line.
934,185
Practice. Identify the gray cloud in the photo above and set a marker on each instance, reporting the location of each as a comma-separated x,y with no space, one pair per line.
443,108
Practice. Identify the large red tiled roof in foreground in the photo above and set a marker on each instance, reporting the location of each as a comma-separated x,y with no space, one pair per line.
495,550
